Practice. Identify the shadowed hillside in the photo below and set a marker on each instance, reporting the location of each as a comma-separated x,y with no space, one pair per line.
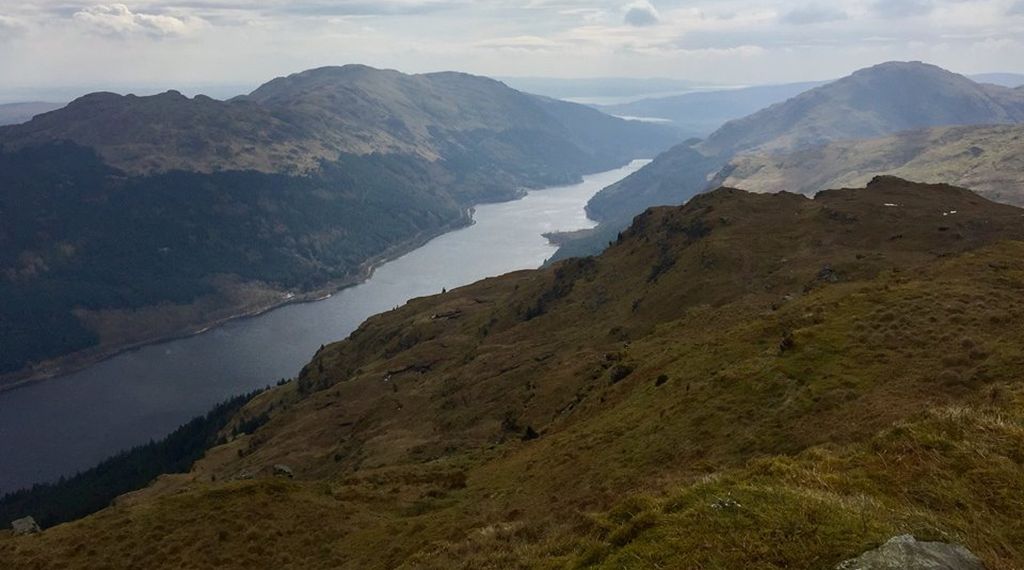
746,381
126,219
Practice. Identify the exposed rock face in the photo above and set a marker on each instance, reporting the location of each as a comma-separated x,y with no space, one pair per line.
906,553
27,525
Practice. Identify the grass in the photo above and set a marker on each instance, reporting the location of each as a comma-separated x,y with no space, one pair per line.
895,407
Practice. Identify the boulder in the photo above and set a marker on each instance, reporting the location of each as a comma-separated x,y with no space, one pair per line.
283,471
907,553
27,525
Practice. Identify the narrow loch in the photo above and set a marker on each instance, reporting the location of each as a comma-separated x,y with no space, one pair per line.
63,425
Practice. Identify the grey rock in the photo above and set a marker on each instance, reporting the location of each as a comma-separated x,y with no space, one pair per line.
27,525
283,471
907,553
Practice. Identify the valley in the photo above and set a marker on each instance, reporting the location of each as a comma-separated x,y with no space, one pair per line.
595,315
125,219
145,393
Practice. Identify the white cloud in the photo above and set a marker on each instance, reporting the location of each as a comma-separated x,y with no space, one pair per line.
119,20
641,13
64,42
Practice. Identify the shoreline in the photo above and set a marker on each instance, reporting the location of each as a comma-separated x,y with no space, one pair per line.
78,361
81,360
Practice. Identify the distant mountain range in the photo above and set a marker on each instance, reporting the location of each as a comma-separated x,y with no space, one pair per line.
699,114
871,103
14,113
1004,79
125,218
598,88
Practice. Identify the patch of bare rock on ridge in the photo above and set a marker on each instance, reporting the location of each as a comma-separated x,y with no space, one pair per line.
905,552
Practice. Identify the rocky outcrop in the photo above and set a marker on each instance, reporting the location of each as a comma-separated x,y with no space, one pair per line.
906,553
27,525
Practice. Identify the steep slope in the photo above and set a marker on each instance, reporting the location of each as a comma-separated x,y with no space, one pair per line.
986,159
701,113
14,113
124,219
745,381
877,101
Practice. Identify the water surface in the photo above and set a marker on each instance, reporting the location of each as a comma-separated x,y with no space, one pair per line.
66,424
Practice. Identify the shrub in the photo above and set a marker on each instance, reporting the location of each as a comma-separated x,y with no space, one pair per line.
619,372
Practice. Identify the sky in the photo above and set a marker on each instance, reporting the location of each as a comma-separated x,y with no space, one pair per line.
47,43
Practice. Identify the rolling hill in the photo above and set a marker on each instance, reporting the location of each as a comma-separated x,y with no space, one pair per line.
987,159
745,381
124,219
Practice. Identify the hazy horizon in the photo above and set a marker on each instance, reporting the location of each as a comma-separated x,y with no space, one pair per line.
74,44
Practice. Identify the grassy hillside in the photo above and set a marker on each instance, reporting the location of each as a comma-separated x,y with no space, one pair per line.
125,219
746,381
987,159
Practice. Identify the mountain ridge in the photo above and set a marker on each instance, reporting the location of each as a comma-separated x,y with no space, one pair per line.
234,206
849,108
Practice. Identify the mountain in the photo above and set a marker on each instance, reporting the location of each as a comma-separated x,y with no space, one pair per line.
986,159
1004,79
14,113
699,114
124,219
597,88
745,381
873,102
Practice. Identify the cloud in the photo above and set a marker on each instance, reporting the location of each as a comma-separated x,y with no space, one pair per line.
641,13
902,8
119,20
813,14
1017,9
11,27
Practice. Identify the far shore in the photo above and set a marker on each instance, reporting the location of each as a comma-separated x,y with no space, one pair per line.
83,359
